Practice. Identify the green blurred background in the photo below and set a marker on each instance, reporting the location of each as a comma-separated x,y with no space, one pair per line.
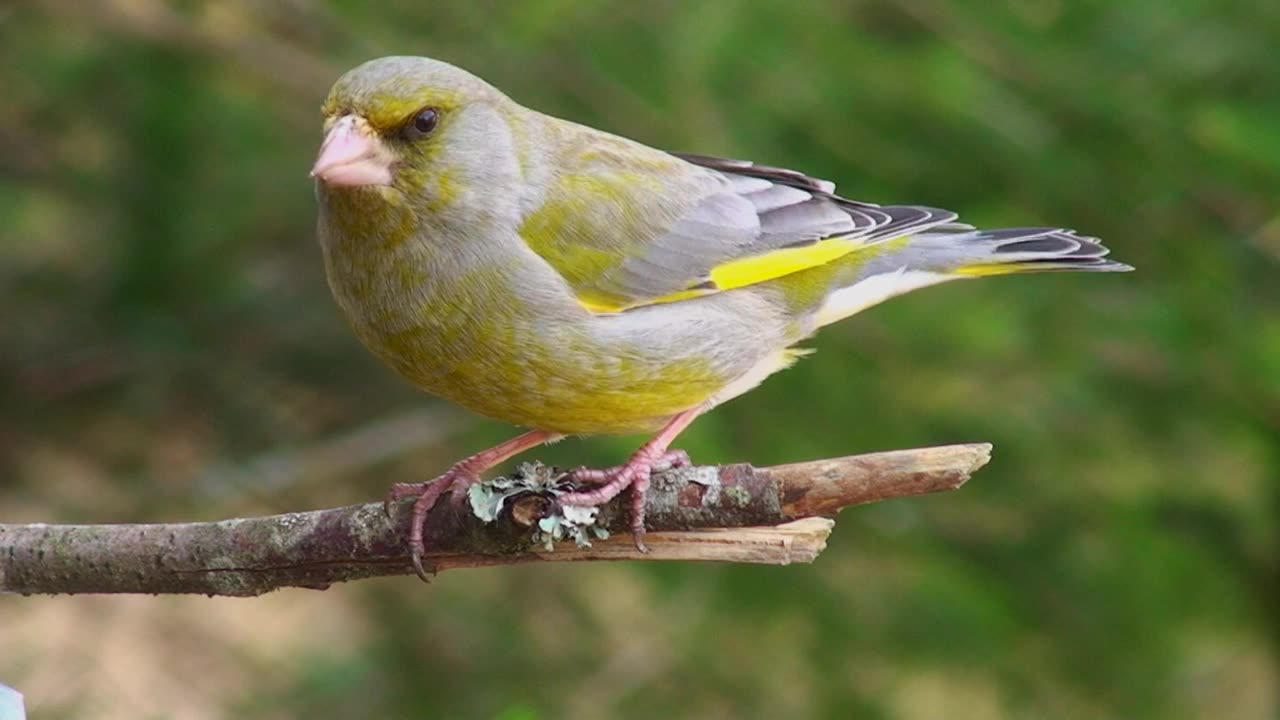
169,351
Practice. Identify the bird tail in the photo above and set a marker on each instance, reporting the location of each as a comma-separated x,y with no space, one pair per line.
883,270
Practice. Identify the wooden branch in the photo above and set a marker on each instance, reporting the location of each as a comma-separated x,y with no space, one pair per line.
734,513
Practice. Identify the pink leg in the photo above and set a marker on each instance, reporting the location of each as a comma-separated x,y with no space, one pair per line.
457,478
634,474
598,476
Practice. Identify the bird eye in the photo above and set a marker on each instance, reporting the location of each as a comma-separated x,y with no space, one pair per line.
424,123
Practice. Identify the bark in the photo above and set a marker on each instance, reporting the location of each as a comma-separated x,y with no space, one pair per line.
732,513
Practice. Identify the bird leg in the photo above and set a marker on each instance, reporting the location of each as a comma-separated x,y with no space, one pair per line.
635,473
599,476
456,479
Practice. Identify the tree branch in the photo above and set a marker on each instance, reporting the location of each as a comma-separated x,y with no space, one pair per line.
735,513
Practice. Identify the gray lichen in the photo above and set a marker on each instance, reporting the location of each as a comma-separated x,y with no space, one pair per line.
740,496
569,522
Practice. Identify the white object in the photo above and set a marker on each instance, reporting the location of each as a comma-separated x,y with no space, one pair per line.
11,704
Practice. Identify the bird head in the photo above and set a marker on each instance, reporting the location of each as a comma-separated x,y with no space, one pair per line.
407,123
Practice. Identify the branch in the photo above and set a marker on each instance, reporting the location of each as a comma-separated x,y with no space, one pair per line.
733,513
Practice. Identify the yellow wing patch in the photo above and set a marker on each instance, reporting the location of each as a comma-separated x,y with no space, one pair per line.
740,273
990,269
775,264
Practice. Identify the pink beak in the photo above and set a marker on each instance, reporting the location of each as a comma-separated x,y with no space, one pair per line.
352,156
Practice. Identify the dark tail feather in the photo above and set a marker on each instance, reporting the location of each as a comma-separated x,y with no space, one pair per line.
1017,250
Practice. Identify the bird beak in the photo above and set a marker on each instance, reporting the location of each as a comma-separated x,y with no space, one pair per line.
353,156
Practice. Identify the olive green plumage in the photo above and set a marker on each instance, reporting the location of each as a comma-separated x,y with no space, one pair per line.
560,278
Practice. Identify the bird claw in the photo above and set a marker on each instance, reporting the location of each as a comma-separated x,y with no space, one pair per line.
672,460
400,491
418,569
669,460
457,479
635,473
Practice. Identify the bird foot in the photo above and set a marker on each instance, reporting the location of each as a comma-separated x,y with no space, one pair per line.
635,473
456,481
599,476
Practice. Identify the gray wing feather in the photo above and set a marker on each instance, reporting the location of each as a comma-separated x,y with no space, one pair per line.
754,210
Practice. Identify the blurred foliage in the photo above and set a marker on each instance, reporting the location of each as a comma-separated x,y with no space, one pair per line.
168,350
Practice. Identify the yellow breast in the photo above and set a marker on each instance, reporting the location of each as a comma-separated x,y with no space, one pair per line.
468,335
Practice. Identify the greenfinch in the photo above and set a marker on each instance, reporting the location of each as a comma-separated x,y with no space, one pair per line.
574,282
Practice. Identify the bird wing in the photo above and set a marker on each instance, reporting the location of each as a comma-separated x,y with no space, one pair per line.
628,226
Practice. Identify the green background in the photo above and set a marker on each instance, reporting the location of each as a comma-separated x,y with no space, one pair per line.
169,351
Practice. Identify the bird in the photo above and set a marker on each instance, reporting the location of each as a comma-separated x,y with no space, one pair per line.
570,281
